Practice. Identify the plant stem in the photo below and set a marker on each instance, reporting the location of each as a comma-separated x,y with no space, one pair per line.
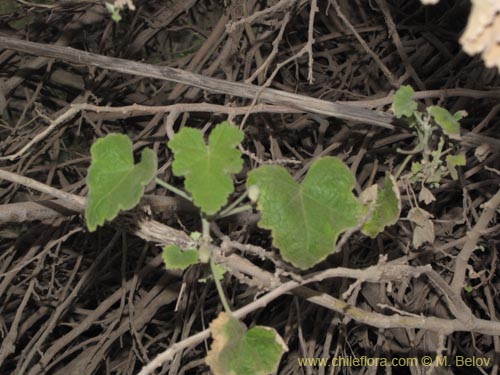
403,166
237,210
229,208
206,241
218,285
173,189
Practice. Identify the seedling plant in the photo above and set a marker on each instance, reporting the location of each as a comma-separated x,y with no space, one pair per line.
305,219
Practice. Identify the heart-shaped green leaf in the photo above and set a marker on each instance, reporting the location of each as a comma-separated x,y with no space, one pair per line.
387,208
238,351
403,103
307,219
208,168
448,122
177,259
114,182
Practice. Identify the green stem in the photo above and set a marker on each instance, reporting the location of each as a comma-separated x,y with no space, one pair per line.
206,241
237,210
218,285
173,189
229,208
403,166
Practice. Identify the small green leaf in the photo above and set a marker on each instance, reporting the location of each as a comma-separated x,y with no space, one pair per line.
458,160
219,271
460,115
447,122
416,167
452,162
114,182
238,351
403,103
195,236
307,219
115,12
387,208
208,169
116,16
176,259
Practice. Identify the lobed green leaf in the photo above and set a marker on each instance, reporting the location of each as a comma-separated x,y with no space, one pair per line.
208,168
403,103
114,182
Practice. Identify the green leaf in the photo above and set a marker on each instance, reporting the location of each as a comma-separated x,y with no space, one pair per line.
195,236
307,219
387,208
460,115
177,259
208,169
447,122
115,12
219,271
114,182
416,167
116,16
403,104
457,160
452,162
238,351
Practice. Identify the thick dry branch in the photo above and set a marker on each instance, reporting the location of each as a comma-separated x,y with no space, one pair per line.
50,209
346,111
272,96
374,319
470,245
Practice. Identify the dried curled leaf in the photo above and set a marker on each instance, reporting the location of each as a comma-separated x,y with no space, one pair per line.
424,227
238,351
208,168
482,34
114,182
482,152
426,196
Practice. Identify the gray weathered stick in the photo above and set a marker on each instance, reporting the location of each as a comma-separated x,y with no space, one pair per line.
272,96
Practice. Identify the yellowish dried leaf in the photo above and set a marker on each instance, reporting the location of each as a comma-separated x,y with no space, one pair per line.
482,152
426,196
424,229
